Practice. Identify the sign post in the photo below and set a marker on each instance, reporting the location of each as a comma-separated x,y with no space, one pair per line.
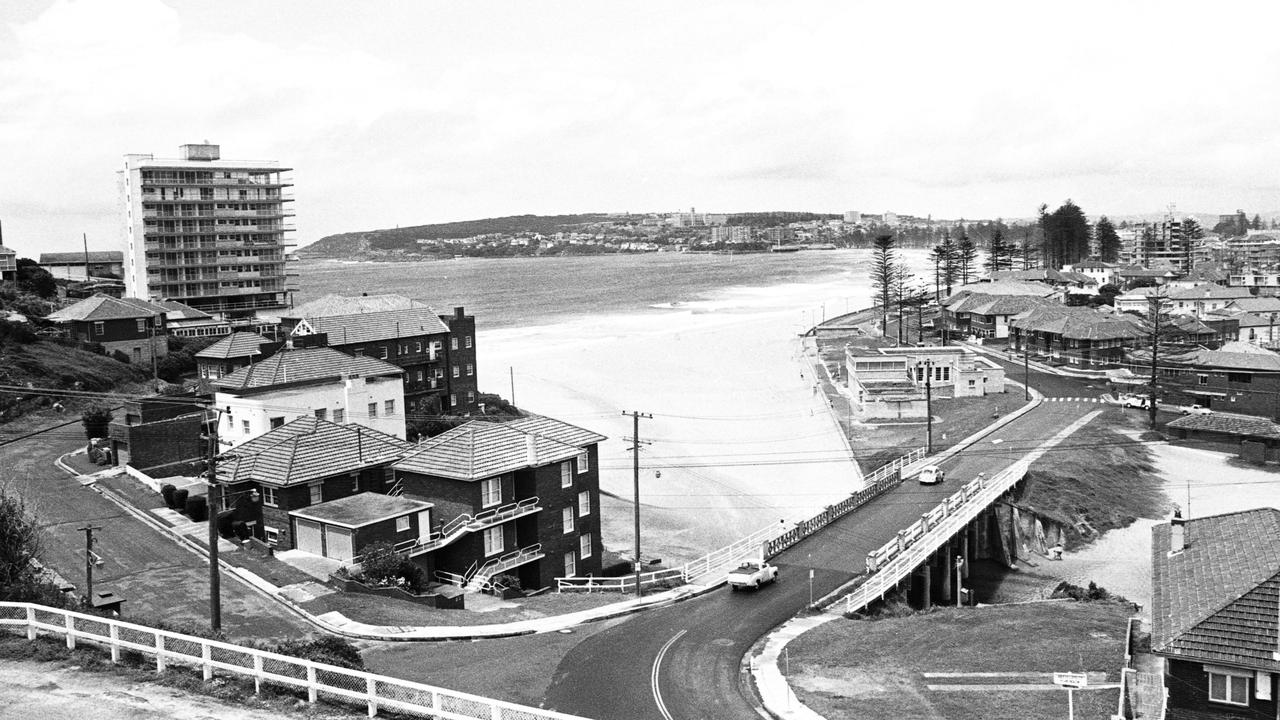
1071,681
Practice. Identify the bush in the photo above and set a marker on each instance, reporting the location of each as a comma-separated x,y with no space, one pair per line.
241,529
328,649
166,492
197,508
1089,594
120,357
180,499
379,562
95,421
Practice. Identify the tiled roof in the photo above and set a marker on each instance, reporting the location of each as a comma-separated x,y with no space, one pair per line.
175,310
302,365
1001,287
983,304
1219,599
347,305
1207,273
375,326
1230,424
1231,357
235,345
104,307
78,258
6,251
1093,265
482,449
362,509
1139,271
1079,323
1256,304
309,448
1209,292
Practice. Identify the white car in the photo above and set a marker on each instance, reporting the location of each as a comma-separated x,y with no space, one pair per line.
1136,401
752,573
1194,410
932,475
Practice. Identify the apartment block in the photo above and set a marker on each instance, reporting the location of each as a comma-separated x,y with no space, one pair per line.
207,232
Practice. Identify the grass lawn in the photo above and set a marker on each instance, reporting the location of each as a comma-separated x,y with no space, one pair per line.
875,668
954,419
393,611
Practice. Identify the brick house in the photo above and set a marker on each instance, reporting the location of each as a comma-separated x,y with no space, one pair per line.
312,381
1075,335
235,351
160,435
1215,612
303,465
984,309
1238,377
131,326
437,352
519,497
84,265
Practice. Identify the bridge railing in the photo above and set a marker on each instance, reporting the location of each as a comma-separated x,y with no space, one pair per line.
331,683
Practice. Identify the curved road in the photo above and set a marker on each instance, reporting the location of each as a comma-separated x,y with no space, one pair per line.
701,642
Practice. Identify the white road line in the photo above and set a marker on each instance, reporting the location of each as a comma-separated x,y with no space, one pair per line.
653,675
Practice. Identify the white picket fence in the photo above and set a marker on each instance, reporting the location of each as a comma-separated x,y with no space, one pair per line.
214,658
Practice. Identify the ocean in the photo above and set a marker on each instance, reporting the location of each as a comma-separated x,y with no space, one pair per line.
707,344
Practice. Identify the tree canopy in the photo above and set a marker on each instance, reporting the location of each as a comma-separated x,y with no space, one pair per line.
1108,240
1066,235
884,274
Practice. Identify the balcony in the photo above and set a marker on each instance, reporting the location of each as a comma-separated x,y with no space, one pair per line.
465,523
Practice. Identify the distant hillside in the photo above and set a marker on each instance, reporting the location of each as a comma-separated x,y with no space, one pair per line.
367,242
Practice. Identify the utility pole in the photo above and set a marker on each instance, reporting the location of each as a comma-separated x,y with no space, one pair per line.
512,370
928,406
89,559
215,577
85,237
635,457
1026,368
1153,305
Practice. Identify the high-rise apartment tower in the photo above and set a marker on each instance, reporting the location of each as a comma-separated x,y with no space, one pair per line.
207,232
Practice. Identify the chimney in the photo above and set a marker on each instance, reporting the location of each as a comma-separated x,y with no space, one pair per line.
531,449
1177,533
457,313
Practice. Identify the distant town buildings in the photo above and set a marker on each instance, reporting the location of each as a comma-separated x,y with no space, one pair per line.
84,265
208,232
1157,245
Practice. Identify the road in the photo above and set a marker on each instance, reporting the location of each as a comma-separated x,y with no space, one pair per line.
688,656
159,579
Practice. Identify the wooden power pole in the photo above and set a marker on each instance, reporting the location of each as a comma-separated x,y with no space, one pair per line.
635,457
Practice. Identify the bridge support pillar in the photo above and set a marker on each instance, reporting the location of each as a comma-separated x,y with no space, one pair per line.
966,551
944,565
926,577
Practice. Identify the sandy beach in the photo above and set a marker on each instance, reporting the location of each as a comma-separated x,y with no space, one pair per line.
738,439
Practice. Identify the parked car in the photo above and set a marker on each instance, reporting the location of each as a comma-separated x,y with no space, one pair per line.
1194,410
1136,401
752,573
932,475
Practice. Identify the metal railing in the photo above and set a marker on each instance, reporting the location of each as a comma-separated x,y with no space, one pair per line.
375,693
623,584
499,565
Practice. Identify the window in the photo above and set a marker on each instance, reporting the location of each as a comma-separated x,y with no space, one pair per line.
566,519
355,483
97,328
419,376
403,349
493,541
273,535
566,475
468,341
490,492
1231,689
417,347
389,407
402,524
382,351
1244,378
358,352
269,496
339,415
570,565
471,396
244,425
471,369
584,503
142,325
453,343
453,400
373,410
1202,379
974,383
584,545
455,371
317,493
276,422
584,462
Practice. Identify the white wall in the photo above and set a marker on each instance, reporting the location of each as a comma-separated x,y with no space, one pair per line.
352,396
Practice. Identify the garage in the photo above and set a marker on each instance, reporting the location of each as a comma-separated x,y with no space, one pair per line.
337,543
308,536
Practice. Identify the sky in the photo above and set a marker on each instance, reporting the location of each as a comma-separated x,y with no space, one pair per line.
404,113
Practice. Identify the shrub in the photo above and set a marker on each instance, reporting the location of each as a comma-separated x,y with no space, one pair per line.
415,578
95,421
196,508
328,649
180,499
241,529
120,357
379,562
166,492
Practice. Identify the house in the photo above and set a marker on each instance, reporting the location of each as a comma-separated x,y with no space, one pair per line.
133,327
953,371
519,497
1238,377
8,264
1132,276
1260,282
1201,274
237,350
303,466
84,265
883,387
1203,299
1102,273
1215,612
1258,438
987,316
308,381
1259,305
160,435
437,352
1048,276
1137,300
1076,335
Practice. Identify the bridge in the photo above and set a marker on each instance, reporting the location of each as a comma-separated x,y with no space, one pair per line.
687,660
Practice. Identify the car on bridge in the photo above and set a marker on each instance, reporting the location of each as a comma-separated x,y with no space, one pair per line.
931,475
752,573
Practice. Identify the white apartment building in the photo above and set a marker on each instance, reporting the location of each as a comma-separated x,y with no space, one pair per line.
312,381
207,232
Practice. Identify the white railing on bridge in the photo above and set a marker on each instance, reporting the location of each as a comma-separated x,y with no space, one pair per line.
769,540
375,693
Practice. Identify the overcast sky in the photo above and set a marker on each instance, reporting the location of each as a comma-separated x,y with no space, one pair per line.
402,113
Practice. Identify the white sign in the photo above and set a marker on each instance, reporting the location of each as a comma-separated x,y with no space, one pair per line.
1070,680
